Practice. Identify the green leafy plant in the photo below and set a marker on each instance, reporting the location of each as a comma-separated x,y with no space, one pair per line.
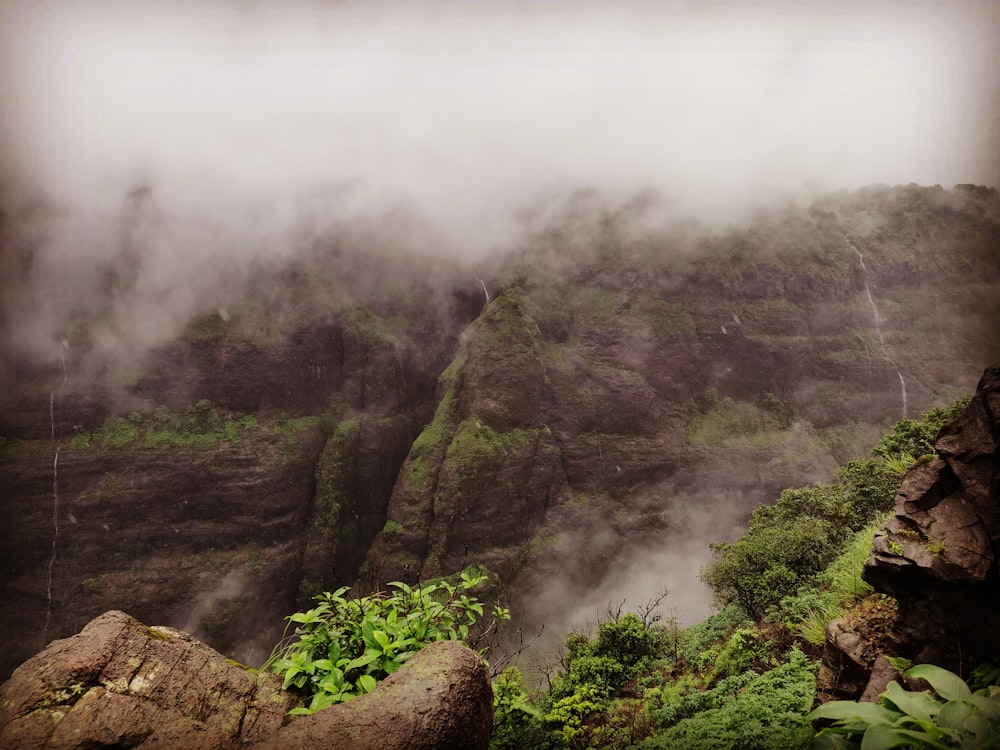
955,717
517,722
344,646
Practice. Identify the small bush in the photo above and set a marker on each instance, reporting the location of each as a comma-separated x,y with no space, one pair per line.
342,647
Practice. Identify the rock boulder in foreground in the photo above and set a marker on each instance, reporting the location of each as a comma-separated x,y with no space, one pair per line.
121,684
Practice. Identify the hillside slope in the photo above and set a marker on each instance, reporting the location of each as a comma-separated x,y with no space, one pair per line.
632,390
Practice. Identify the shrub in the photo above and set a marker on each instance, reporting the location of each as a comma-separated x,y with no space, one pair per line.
754,712
342,647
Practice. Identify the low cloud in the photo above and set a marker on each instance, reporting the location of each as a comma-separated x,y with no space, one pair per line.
171,146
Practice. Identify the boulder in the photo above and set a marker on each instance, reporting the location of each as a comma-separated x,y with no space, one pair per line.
121,684
440,699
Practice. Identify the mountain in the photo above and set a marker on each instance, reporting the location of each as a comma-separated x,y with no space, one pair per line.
612,394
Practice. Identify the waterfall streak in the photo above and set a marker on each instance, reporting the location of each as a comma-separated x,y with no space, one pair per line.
55,490
55,536
878,328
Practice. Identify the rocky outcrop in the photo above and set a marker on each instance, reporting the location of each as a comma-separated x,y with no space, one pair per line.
121,684
938,556
440,699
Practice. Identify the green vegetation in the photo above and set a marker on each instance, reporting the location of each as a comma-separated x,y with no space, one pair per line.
668,320
742,678
788,544
597,306
369,327
951,717
330,473
9,446
641,683
344,646
721,420
290,429
200,427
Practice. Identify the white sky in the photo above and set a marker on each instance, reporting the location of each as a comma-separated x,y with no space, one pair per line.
260,111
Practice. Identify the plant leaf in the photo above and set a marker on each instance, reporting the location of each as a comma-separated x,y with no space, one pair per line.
953,714
946,684
883,737
826,740
920,706
989,707
849,711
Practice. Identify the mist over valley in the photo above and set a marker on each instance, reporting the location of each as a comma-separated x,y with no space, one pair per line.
304,295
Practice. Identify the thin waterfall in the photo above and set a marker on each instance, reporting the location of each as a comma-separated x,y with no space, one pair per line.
878,328
55,537
55,490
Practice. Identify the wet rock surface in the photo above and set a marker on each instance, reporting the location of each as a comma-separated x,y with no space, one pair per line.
938,555
119,683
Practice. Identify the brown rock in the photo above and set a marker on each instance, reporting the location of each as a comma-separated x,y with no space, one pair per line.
121,684
938,555
882,674
439,700
847,660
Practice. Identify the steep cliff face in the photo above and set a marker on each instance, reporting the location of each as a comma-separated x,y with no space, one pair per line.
588,411
938,556
624,392
195,536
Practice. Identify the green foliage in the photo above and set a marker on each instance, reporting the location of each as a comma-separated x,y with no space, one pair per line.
837,587
10,446
789,543
118,432
569,713
199,427
724,419
670,321
701,637
290,429
622,647
517,723
417,467
953,718
597,306
749,712
916,437
342,647
368,327
741,650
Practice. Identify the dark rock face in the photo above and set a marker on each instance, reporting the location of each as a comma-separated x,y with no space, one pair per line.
604,403
193,538
121,684
938,555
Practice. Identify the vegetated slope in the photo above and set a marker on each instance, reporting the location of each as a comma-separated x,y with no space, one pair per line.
618,380
632,386
793,592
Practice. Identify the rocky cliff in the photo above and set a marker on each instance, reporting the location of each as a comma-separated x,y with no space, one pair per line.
937,560
938,555
627,394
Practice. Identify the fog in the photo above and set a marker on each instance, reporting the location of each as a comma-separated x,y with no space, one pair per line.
201,135
152,152
256,114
